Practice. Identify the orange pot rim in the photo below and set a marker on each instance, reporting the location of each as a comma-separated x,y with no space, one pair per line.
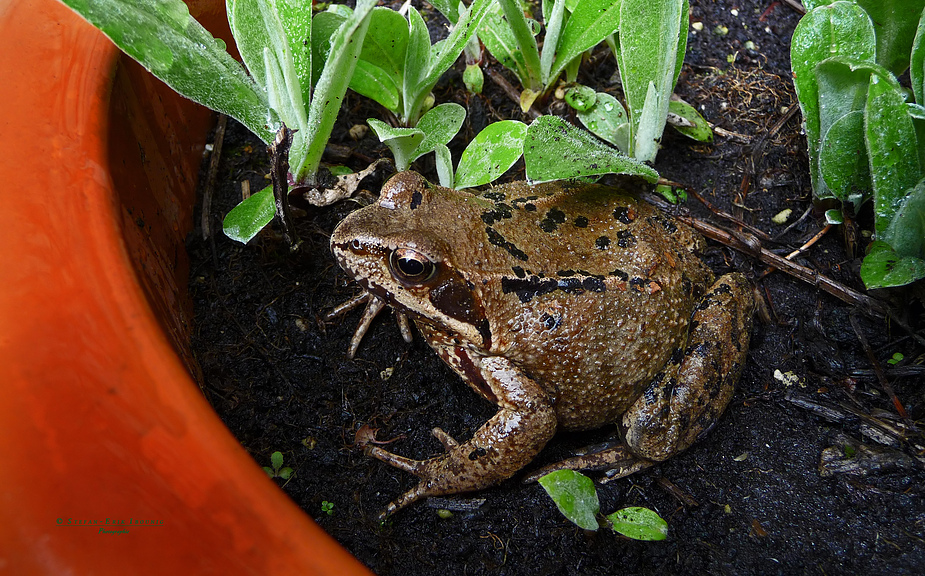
112,459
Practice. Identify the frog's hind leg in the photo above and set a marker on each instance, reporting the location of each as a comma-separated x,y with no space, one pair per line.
685,400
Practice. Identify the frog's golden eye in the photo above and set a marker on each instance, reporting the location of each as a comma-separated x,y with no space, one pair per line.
410,266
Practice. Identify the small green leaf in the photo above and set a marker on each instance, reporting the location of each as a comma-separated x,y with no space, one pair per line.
574,495
581,98
285,473
906,231
444,166
401,141
439,125
884,268
605,118
834,216
639,523
276,460
491,153
700,131
473,78
555,150
269,471
843,161
249,217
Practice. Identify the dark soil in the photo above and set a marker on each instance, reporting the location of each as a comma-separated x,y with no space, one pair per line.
748,499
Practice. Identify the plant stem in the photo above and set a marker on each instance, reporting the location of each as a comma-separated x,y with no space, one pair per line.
279,174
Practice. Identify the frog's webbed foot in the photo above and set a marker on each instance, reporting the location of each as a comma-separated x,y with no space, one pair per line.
501,447
430,471
614,459
374,306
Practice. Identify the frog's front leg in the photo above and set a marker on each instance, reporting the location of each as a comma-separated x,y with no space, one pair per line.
685,400
502,446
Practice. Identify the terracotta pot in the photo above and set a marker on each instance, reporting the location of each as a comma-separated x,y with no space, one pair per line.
110,458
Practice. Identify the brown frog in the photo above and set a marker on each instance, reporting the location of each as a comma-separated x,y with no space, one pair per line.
570,306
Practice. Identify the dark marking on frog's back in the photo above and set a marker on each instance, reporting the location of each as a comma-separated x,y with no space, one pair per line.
498,240
581,222
527,289
602,242
552,219
495,196
624,214
498,213
665,223
625,239
620,274
551,322
519,272
416,199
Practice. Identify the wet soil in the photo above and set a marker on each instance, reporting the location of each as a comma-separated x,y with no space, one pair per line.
750,498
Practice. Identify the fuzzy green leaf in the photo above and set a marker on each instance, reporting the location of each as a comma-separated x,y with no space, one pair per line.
884,268
581,98
346,45
249,217
401,141
605,119
649,40
499,39
276,460
895,23
555,150
439,125
917,62
491,153
587,26
380,71
169,43
906,231
639,523
843,162
574,495
700,131
524,43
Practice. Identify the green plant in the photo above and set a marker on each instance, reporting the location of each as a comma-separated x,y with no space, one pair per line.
398,66
865,132
552,149
572,26
649,46
895,359
327,507
576,498
274,38
277,470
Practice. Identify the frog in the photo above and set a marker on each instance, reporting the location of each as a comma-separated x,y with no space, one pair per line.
568,305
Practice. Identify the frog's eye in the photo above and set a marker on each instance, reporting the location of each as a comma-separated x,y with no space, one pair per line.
411,266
